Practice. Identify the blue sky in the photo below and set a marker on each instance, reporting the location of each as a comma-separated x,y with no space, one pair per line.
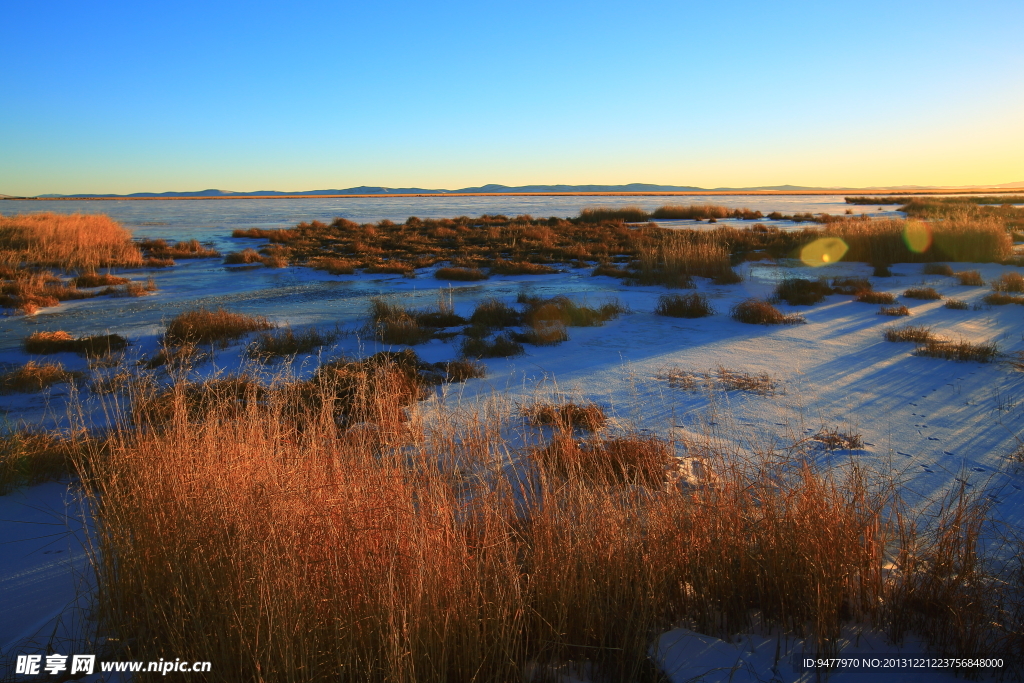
127,97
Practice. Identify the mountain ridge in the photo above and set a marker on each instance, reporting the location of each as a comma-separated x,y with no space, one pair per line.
494,188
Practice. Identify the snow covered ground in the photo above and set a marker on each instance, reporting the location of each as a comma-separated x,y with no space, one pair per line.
934,421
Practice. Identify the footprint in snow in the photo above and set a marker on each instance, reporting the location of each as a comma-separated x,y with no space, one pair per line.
933,438
978,469
906,454
947,452
869,444
1016,487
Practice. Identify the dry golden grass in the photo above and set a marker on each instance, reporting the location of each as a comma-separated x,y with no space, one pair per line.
761,312
66,241
406,550
202,325
33,376
956,304
1009,282
962,350
460,274
99,280
32,457
938,269
876,298
60,341
969,278
925,293
722,379
284,343
909,333
894,311
568,416
684,306
186,249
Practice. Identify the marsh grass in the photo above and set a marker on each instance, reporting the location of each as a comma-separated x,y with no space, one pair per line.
876,298
909,333
956,304
938,269
460,274
407,549
961,350
833,439
501,346
969,278
32,457
1009,282
694,305
33,376
286,342
494,313
894,311
203,325
1002,299
503,267
801,292
67,242
185,249
60,341
761,312
625,214
850,285
99,280
567,416
722,379
923,293
244,257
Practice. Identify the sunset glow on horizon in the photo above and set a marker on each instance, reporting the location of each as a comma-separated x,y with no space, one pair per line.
126,98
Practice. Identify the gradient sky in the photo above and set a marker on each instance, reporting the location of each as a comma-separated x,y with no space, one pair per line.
128,97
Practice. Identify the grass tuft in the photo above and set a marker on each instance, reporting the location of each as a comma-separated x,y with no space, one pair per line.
876,298
969,278
761,312
894,311
957,304
694,305
909,333
460,274
33,376
938,269
60,341
568,416
203,325
925,293
962,350
801,292
1009,282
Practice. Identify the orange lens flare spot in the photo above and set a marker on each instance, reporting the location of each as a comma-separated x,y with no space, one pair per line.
823,251
917,236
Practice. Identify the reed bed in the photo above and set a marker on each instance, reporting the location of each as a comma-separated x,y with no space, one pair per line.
286,342
969,278
185,249
67,242
408,549
1009,282
876,298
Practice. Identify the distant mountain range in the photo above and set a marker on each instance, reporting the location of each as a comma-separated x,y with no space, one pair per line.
503,189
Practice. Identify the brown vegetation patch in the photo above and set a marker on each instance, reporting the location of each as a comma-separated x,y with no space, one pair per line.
956,304
722,379
99,280
33,376
909,333
694,305
460,274
924,293
801,292
876,298
502,346
185,249
833,439
761,312
60,341
285,342
203,325
1001,299
938,269
962,350
568,416
894,311
850,285
1009,282
68,242
970,278
503,267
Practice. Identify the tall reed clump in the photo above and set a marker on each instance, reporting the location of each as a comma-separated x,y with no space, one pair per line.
953,239
625,214
675,259
283,544
81,242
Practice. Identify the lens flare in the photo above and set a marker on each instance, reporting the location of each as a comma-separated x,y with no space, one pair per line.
823,251
917,236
